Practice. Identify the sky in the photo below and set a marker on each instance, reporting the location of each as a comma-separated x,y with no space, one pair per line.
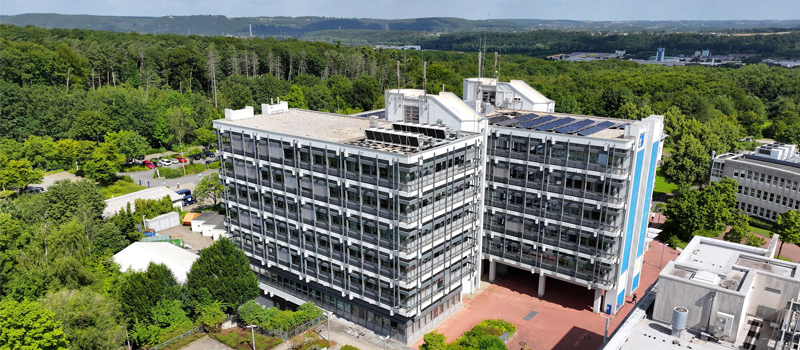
597,10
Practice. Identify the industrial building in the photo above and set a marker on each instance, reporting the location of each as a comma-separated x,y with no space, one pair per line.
388,221
376,221
718,295
769,179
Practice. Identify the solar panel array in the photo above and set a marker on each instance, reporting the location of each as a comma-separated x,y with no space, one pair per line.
560,124
393,137
435,131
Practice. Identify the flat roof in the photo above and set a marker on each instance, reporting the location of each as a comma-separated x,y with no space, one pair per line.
315,125
114,205
139,255
571,124
730,262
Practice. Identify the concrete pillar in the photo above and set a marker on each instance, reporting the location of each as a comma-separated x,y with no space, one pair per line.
541,284
492,270
598,301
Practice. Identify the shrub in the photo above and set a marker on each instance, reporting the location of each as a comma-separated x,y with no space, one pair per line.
760,224
349,347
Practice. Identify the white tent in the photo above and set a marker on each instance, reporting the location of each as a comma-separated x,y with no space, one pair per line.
139,255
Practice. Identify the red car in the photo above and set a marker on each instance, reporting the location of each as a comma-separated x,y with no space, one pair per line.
182,160
148,164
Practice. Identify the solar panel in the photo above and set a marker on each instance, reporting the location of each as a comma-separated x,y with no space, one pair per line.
518,120
537,121
595,128
400,127
554,124
574,127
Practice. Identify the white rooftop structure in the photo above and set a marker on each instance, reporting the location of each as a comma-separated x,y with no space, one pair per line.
116,204
514,94
139,255
717,295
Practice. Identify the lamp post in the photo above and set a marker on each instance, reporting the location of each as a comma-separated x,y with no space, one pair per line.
605,335
127,338
328,321
661,263
253,333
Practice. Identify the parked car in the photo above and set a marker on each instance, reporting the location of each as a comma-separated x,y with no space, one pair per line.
33,189
165,162
149,164
182,160
197,156
209,154
189,201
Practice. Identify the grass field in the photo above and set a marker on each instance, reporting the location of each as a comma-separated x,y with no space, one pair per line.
119,188
662,186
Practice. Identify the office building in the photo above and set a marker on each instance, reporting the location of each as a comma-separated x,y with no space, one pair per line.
567,196
769,179
718,295
389,221
378,222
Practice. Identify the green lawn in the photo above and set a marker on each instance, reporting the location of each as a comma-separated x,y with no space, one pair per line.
761,231
662,186
121,187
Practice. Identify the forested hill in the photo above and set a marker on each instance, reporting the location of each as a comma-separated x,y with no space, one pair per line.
286,27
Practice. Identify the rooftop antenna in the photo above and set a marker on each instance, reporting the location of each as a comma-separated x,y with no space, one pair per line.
496,56
398,76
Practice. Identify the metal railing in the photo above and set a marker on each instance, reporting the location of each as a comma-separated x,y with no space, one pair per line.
300,329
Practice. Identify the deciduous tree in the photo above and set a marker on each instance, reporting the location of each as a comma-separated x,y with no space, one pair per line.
222,272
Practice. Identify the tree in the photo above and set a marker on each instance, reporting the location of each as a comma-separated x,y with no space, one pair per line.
71,153
161,132
90,125
128,143
366,90
209,188
211,315
205,137
706,209
65,199
40,151
787,226
434,341
109,239
740,228
27,325
688,164
13,239
19,174
295,98
88,318
180,123
139,293
222,272
105,163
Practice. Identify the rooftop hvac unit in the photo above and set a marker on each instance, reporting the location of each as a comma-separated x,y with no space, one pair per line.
723,325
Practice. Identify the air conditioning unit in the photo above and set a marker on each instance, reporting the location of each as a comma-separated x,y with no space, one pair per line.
723,325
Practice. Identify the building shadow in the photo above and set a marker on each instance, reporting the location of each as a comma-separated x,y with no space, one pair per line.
579,338
559,292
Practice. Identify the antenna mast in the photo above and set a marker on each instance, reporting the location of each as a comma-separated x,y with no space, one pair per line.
496,56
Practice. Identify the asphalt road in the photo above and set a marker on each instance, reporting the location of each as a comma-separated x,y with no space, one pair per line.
189,181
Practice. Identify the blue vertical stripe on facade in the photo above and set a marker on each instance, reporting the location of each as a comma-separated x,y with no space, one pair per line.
635,282
651,176
620,299
637,174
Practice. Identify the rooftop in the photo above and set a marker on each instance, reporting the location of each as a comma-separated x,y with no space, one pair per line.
561,123
725,264
116,204
139,255
321,126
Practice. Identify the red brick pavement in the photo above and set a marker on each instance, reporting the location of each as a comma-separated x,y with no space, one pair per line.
564,318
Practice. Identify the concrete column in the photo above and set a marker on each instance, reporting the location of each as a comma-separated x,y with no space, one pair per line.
598,301
492,270
541,284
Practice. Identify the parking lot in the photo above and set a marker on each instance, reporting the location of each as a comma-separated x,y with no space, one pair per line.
561,320
194,239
